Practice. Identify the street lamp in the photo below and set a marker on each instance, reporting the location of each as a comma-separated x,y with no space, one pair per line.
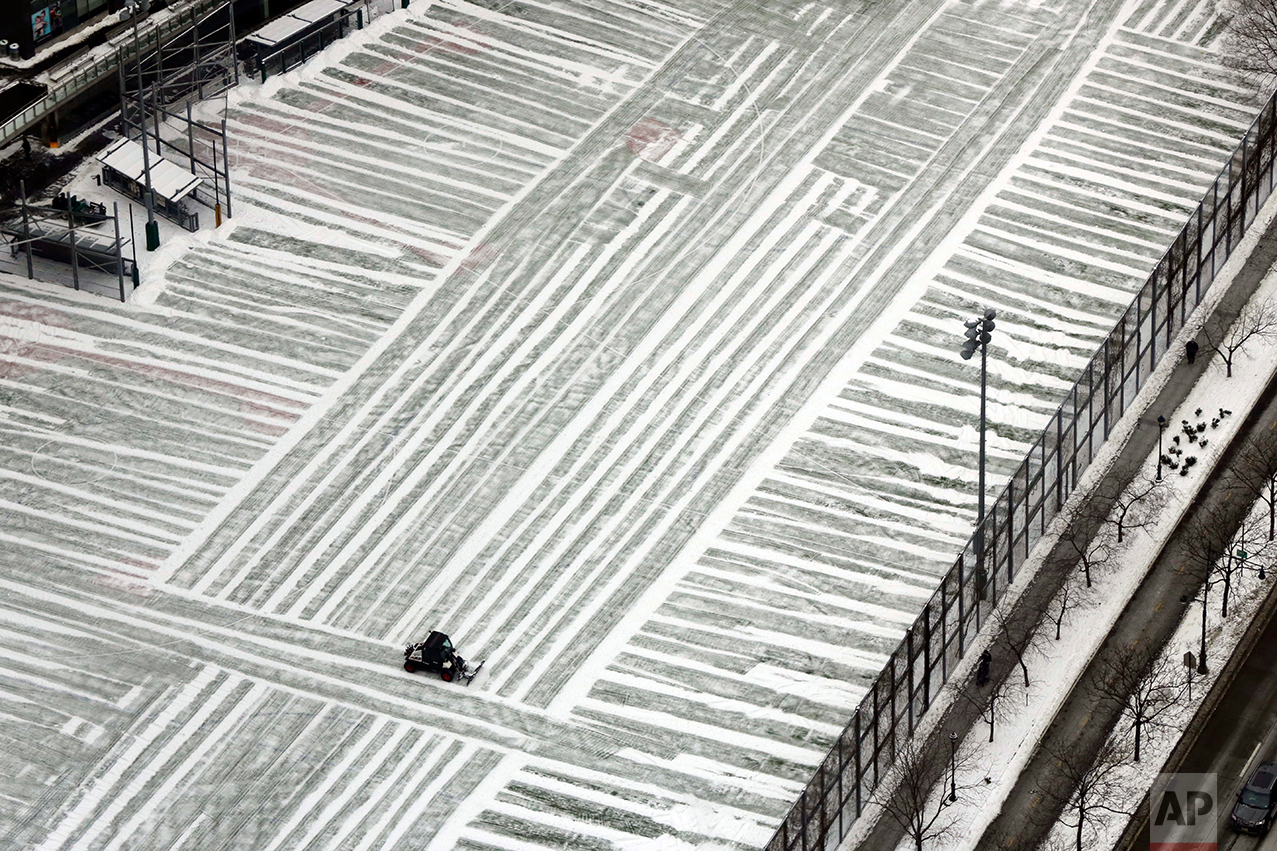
1161,427
953,767
978,334
135,9
1201,656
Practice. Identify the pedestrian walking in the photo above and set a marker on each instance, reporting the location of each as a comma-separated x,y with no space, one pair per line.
1191,348
982,670
26,147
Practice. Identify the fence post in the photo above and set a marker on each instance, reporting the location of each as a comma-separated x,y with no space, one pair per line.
1245,196
1197,282
909,690
944,630
962,615
893,687
859,776
926,656
1011,528
842,796
992,557
1228,208
1121,372
1108,369
1073,455
877,722
824,796
1139,339
1183,273
802,808
1152,319
1059,463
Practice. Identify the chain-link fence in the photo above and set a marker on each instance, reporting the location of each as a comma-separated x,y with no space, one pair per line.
939,637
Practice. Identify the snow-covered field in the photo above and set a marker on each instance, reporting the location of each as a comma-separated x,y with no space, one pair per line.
616,339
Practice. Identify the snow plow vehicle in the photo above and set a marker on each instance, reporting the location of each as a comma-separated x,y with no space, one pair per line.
437,656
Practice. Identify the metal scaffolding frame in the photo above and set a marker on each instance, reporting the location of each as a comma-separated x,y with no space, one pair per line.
194,63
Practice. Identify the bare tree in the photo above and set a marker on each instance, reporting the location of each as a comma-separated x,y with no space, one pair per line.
1066,600
1015,631
1256,322
1250,45
1091,553
1084,786
913,793
1146,685
1133,499
1217,551
1257,472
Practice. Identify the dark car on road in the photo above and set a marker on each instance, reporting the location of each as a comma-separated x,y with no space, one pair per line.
1253,812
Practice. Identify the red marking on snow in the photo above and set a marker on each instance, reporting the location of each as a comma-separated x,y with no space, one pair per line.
277,169
253,414
269,123
480,258
434,258
452,43
13,349
127,582
37,313
651,139
444,43
256,403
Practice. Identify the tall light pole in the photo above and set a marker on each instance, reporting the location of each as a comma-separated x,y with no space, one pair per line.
979,332
953,767
136,9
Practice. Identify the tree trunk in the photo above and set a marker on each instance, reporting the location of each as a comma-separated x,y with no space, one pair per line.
1137,738
1081,822
1228,583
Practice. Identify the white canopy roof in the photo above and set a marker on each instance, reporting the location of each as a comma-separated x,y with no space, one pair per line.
278,30
317,10
285,27
168,180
